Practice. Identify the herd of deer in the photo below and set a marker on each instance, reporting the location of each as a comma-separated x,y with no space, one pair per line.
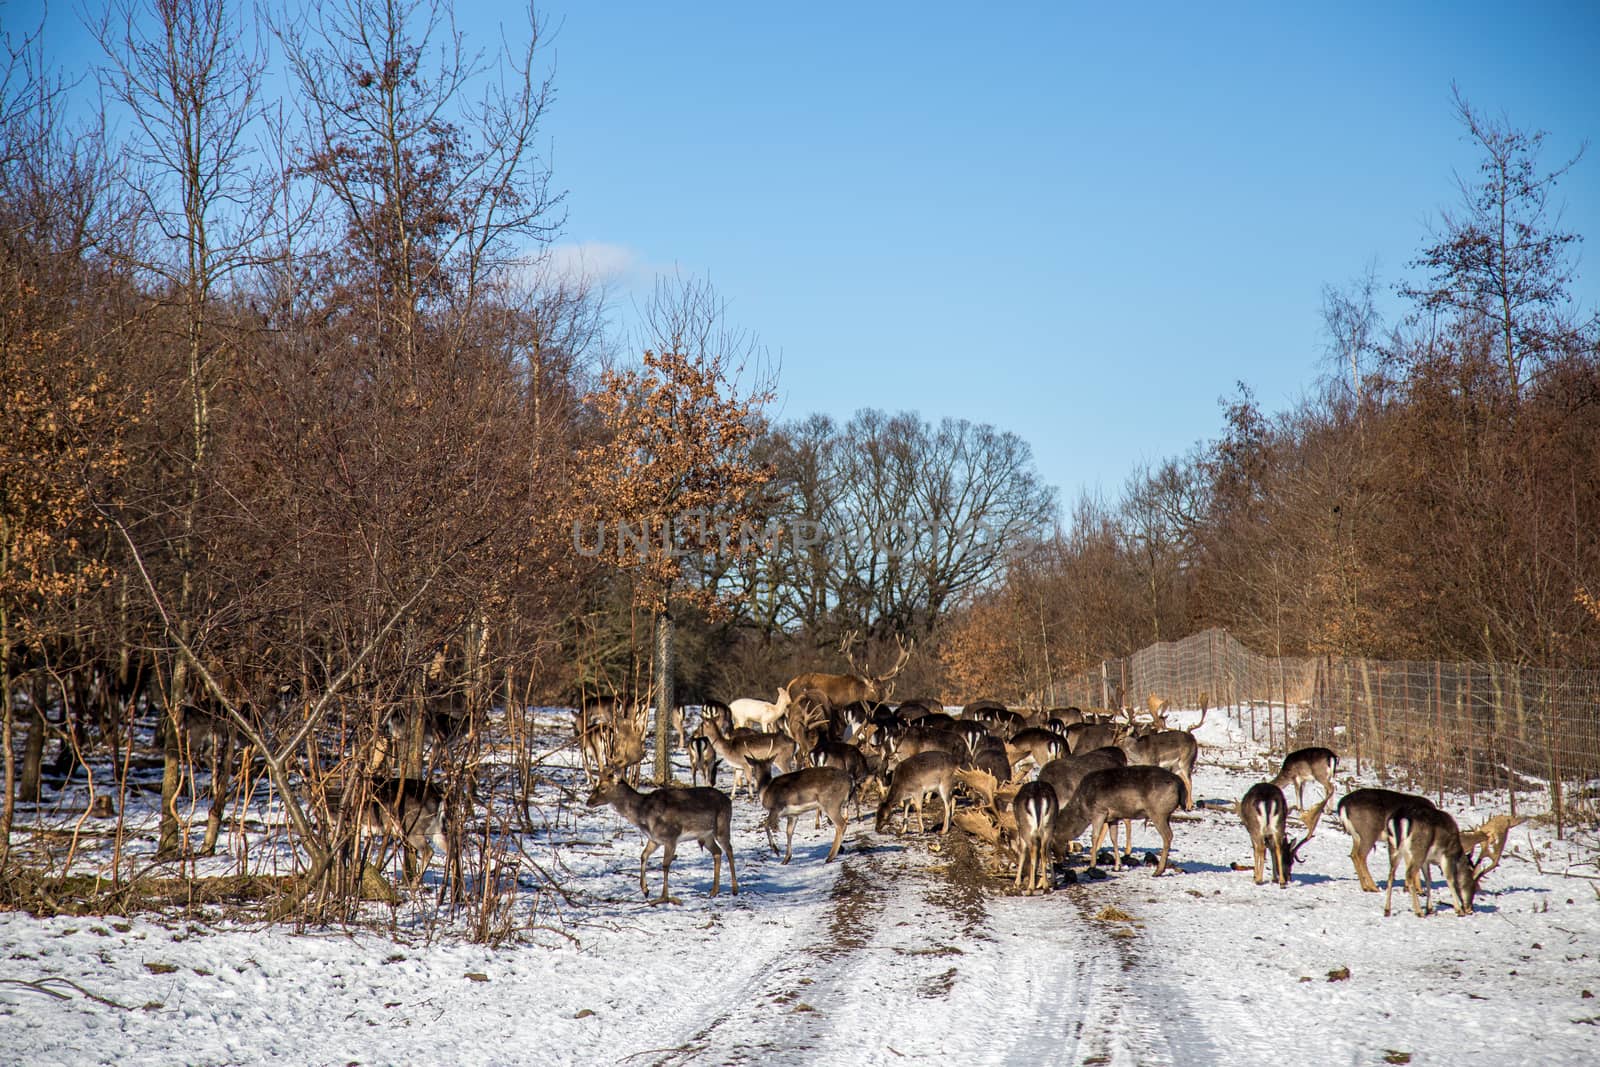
1038,781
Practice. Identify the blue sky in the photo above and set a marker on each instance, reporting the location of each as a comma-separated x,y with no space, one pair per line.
1079,224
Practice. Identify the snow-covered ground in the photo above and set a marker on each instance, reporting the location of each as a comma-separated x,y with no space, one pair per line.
896,953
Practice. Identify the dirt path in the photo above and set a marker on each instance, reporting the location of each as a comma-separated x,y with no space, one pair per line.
1014,979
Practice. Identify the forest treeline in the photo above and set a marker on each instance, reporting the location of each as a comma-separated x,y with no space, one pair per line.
302,426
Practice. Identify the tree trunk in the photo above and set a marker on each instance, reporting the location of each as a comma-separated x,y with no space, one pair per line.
664,694
8,804
33,755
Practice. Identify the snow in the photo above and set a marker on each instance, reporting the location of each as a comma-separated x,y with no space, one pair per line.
894,954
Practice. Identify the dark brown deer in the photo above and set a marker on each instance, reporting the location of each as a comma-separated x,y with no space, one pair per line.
1123,794
1035,808
1426,837
1265,813
1365,815
666,815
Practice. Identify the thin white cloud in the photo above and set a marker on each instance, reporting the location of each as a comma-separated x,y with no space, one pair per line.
592,261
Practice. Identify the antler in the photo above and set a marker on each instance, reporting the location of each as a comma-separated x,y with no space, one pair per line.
845,644
905,654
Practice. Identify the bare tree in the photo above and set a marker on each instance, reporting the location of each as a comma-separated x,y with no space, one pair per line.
1502,258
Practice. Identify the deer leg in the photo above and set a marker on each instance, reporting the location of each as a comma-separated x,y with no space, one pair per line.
946,797
789,842
772,824
1164,828
733,876
716,864
836,817
644,856
1094,839
669,849
1259,848
1358,855
1394,861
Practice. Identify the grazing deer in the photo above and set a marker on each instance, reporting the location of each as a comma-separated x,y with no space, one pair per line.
913,780
407,810
1123,794
1037,744
747,710
821,789
1265,813
1307,764
914,740
972,734
841,689
667,814
1035,809
740,746
1365,815
1176,750
1426,837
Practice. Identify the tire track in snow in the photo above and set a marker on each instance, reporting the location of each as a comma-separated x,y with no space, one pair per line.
1015,980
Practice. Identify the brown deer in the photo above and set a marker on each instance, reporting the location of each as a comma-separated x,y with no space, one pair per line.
842,689
407,810
740,746
1036,744
1365,815
1064,774
912,781
1265,813
1088,736
1426,837
664,816
1123,794
1305,765
1034,808
1176,750
821,789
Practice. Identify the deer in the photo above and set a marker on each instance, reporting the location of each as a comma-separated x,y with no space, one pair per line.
1176,750
668,814
1037,744
821,789
1365,815
1034,808
747,710
1426,837
408,810
1304,765
742,745
1122,793
1065,772
924,773
702,760
1265,812
914,740
1087,736
847,758
841,689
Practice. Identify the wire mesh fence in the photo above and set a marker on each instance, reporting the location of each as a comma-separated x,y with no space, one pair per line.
1432,727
